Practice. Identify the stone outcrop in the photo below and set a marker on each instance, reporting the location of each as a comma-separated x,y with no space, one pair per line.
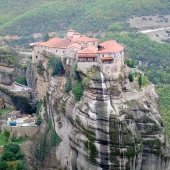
113,126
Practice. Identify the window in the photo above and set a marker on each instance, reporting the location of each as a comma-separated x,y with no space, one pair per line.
36,57
56,50
38,52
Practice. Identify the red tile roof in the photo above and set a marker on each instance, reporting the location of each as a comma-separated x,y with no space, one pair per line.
88,52
55,43
76,45
111,46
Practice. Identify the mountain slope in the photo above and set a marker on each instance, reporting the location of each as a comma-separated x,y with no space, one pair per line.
86,15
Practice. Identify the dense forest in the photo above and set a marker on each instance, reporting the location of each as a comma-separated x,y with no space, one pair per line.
27,17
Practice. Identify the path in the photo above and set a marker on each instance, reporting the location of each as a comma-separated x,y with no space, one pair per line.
154,30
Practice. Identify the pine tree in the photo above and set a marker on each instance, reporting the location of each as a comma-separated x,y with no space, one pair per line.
46,37
140,81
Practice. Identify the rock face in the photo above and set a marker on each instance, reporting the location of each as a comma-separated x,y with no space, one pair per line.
113,126
31,76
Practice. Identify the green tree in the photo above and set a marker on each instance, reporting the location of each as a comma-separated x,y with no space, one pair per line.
77,90
140,80
46,37
56,65
130,62
38,120
21,80
3,165
131,77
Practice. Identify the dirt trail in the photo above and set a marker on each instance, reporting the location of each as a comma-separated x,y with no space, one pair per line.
154,30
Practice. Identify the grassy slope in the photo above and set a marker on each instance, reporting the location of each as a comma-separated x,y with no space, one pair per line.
85,15
9,9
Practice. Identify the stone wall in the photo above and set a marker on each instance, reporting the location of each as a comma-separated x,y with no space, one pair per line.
26,131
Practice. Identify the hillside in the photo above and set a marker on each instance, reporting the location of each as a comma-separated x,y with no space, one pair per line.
27,17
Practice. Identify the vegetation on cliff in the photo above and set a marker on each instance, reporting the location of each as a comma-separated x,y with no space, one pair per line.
9,56
47,141
12,158
21,80
56,65
77,90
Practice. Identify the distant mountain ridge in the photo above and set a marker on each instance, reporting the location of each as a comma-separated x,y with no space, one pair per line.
28,17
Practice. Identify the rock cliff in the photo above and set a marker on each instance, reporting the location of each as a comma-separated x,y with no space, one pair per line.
115,125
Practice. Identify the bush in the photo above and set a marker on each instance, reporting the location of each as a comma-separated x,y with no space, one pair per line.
131,77
3,165
143,80
54,138
140,81
77,90
38,120
12,152
45,37
21,80
56,65
48,140
129,62
20,165
38,106
6,133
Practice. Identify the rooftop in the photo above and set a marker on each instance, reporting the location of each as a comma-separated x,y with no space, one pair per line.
110,46
55,43
88,52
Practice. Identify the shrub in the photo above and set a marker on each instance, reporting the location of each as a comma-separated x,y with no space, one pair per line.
56,65
21,80
129,62
131,77
20,165
54,138
38,120
140,81
3,165
143,80
38,106
6,133
48,140
45,37
77,90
